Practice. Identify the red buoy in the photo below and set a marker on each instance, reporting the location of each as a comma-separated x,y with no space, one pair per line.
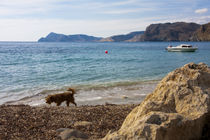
106,51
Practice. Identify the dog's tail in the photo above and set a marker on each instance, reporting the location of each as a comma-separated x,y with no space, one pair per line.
72,90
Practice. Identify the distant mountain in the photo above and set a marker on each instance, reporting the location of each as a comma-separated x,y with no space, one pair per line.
178,31
54,37
123,38
203,33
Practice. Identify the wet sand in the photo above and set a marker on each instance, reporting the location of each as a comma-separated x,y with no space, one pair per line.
41,122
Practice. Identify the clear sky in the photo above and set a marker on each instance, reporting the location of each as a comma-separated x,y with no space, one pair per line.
28,20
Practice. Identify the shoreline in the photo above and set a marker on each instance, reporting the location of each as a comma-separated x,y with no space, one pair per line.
130,92
41,122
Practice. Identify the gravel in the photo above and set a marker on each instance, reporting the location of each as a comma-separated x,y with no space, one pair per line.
41,122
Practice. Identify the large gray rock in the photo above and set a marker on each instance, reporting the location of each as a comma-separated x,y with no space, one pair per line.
178,109
72,134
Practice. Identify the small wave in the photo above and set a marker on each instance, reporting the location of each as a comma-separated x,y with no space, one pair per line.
46,92
106,85
89,99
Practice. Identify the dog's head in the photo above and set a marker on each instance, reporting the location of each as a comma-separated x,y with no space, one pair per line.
49,99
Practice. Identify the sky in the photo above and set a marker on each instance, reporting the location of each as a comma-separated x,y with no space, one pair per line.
28,20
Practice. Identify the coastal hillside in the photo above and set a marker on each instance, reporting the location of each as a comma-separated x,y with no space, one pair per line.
54,37
203,33
179,31
123,38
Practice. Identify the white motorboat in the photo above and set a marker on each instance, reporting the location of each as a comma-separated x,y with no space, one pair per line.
181,48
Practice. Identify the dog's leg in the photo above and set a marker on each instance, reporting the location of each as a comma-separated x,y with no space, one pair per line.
58,103
67,103
74,103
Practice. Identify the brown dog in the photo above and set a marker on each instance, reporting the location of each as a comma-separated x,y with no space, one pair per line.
59,98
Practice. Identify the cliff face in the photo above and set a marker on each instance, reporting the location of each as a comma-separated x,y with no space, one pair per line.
179,31
179,108
54,37
203,33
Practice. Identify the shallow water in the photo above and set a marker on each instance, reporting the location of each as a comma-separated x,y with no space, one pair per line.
29,71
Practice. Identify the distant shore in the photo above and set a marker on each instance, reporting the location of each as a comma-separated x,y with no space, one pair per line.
41,122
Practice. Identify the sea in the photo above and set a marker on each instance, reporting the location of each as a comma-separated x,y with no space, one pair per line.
101,73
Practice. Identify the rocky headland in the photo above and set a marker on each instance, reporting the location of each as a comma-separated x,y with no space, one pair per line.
55,37
178,109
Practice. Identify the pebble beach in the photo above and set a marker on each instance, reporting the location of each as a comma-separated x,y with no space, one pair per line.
43,122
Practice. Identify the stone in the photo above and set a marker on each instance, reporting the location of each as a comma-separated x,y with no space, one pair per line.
73,134
61,130
125,97
82,123
178,109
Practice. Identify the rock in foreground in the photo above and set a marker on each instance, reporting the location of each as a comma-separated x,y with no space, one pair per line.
178,109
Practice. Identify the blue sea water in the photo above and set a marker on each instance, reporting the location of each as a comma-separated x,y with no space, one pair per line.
30,70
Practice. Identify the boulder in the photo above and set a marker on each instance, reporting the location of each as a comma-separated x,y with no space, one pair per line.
178,109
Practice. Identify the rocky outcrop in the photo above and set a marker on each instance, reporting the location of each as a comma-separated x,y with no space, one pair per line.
178,109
